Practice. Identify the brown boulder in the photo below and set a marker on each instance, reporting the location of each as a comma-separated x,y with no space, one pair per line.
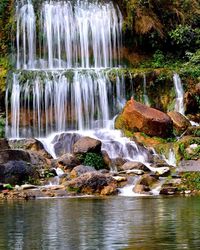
81,169
68,161
93,183
141,189
30,144
148,180
138,117
86,145
180,122
134,165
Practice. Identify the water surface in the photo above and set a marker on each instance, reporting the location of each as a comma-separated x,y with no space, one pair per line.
101,223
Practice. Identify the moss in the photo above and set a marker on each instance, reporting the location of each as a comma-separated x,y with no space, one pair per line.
76,190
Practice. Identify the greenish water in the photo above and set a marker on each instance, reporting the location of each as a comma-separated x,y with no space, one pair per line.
104,223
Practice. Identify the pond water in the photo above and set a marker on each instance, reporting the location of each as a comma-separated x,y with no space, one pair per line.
101,223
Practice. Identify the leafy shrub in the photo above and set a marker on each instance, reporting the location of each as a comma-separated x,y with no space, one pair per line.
185,38
94,160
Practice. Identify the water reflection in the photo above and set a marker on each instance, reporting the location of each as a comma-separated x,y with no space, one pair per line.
107,223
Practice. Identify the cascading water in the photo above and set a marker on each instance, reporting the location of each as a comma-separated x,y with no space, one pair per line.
56,101
64,54
179,105
145,96
83,34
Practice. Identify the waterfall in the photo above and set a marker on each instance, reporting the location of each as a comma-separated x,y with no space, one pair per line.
179,105
58,101
83,34
65,51
145,96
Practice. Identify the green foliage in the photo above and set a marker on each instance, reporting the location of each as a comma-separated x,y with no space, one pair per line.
94,160
8,186
190,181
158,59
6,24
48,174
2,127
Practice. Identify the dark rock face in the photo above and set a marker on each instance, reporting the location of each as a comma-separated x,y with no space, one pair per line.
94,183
17,172
191,102
86,145
14,155
18,166
4,144
64,143
138,117
180,122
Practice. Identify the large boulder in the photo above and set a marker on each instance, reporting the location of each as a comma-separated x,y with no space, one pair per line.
134,165
63,143
138,117
87,145
180,122
30,144
93,183
81,169
68,161
18,172
18,166
14,155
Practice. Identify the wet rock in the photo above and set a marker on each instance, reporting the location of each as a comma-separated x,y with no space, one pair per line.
138,117
118,163
27,186
168,190
31,144
81,169
68,161
134,165
148,180
64,142
161,171
135,171
141,189
120,178
106,159
4,144
86,145
180,122
93,183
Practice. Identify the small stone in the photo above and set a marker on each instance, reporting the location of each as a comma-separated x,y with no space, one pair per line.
120,178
